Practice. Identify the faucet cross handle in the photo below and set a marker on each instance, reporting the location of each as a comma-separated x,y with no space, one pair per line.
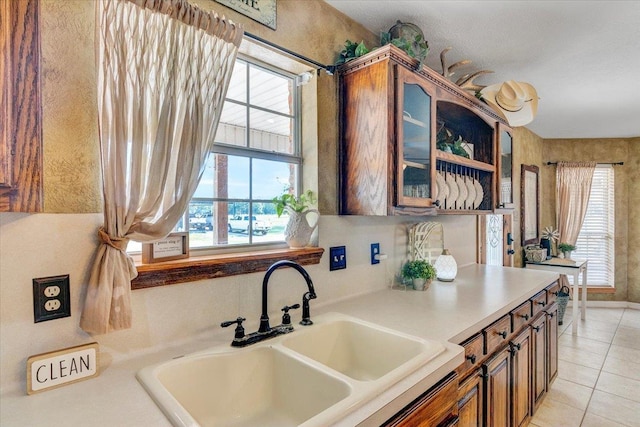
239,329
286,318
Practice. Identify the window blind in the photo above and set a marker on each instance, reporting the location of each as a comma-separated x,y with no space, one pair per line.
596,240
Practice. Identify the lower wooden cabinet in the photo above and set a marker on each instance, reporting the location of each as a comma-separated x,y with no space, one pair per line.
497,382
471,400
538,360
520,348
552,343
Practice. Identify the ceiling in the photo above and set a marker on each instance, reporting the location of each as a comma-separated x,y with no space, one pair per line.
583,57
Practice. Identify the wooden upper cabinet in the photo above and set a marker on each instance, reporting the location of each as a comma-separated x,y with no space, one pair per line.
20,107
504,192
398,124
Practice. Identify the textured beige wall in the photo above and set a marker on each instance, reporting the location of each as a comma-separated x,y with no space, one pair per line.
527,150
71,163
627,197
71,159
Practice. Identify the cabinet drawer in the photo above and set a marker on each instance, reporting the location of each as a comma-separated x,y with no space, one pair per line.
496,334
435,407
473,352
538,302
552,292
520,316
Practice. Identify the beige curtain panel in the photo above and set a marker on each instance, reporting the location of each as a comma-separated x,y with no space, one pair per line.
573,187
163,71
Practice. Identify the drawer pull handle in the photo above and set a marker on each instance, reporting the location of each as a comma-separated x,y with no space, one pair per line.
541,303
471,358
503,334
525,316
555,293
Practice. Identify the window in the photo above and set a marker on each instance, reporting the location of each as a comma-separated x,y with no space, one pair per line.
256,157
596,239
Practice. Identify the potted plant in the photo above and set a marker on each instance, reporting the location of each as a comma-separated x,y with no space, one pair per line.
298,230
566,249
420,272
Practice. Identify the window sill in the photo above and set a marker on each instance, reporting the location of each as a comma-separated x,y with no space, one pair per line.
214,266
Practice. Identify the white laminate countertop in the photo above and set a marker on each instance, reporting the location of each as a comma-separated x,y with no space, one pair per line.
446,312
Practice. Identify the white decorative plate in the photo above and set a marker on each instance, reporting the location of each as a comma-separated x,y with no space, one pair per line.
472,192
463,192
479,193
453,190
443,189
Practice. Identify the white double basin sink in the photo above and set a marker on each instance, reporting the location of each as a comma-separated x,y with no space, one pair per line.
310,377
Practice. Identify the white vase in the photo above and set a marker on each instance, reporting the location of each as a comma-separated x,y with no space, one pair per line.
418,284
298,231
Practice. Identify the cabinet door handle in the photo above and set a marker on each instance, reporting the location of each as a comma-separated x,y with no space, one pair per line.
503,334
550,314
525,316
536,328
514,348
471,358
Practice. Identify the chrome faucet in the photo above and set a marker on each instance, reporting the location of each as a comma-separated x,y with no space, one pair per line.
265,331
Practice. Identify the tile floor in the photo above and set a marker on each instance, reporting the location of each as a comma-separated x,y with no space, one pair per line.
598,382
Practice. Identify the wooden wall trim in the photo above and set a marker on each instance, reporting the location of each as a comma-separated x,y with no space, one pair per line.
21,119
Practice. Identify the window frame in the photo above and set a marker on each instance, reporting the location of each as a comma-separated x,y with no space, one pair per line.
237,259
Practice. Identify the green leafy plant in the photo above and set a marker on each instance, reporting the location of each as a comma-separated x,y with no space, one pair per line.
297,204
566,247
418,269
351,51
417,47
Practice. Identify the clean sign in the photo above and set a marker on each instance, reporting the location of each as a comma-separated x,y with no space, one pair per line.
61,367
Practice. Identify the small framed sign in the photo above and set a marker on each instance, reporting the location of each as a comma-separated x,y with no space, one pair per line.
174,246
263,11
61,367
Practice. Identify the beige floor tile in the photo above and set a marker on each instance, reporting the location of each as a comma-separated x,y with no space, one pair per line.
630,318
620,386
583,343
625,368
557,414
610,315
624,353
627,337
596,334
577,373
570,393
592,420
581,357
612,407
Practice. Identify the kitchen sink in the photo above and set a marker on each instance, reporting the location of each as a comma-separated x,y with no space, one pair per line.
260,386
361,350
313,376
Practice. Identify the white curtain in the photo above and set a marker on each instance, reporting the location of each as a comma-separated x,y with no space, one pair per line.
163,71
573,187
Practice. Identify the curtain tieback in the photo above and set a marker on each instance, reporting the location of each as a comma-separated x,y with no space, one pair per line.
119,243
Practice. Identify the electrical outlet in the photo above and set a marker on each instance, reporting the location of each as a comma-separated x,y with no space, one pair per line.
337,258
51,298
375,250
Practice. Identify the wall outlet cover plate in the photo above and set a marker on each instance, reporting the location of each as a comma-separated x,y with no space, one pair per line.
51,299
337,258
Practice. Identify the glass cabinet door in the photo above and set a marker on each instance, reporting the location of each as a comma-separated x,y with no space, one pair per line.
505,190
414,144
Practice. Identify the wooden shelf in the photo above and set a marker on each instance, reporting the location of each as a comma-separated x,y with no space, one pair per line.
223,265
415,122
463,161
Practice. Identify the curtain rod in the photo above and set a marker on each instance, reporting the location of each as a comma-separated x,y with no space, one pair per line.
605,163
329,69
